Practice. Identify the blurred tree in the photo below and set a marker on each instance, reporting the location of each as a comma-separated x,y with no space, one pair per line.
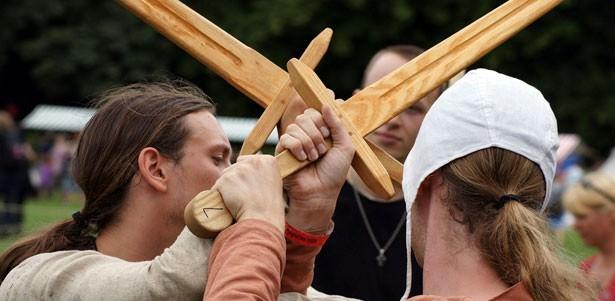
64,52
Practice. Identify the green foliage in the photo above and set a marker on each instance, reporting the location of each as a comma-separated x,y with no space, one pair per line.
69,50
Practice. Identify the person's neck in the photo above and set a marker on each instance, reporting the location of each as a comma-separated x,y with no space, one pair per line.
358,184
453,266
139,234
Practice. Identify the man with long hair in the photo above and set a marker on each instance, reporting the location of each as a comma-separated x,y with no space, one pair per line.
148,150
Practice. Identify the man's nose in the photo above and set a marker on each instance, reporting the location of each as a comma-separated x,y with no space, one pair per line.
394,122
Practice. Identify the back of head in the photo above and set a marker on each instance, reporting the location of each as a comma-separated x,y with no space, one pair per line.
128,119
493,138
484,109
511,234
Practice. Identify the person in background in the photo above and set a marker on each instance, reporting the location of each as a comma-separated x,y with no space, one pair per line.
365,257
15,155
592,202
67,184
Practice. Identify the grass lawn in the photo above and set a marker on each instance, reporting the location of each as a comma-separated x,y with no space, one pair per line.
574,247
40,213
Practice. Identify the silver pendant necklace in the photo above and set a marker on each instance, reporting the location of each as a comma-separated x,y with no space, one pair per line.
381,258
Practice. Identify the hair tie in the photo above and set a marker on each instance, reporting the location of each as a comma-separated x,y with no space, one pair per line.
507,198
79,220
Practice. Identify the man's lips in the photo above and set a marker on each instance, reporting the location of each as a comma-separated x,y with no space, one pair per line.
387,137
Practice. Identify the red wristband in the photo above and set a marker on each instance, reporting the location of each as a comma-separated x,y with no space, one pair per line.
304,239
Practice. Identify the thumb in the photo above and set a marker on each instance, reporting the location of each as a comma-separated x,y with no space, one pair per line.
339,135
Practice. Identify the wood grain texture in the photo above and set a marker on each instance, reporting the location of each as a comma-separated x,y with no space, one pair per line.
394,168
397,91
241,66
273,113
365,162
206,215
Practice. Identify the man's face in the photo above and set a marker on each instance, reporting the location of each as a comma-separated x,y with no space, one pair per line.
206,153
397,136
595,227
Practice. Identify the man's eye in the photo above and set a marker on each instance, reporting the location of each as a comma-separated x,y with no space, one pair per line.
414,110
218,159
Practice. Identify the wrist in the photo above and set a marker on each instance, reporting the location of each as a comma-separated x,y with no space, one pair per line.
306,239
277,220
310,220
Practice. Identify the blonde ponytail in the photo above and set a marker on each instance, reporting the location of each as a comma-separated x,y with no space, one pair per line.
512,235
519,247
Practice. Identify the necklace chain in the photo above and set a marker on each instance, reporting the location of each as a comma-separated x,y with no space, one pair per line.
381,258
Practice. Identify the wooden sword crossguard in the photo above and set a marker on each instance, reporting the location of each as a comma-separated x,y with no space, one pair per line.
268,85
274,111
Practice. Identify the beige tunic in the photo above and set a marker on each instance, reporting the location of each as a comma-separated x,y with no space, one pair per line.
179,273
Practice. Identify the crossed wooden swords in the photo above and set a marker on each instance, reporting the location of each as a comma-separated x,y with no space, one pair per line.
271,87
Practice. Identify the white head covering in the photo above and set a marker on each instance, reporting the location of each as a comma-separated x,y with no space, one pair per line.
483,109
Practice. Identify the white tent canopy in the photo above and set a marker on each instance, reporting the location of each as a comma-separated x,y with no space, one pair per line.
73,119
57,118
609,164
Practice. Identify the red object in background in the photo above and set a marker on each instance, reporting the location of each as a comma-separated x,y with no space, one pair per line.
607,293
13,109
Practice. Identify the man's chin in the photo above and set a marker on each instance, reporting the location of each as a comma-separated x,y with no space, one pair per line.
389,148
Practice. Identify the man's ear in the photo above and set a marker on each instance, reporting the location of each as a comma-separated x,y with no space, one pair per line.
432,184
425,186
153,168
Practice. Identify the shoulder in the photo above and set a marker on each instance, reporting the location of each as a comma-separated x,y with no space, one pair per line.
38,273
178,273
56,262
58,258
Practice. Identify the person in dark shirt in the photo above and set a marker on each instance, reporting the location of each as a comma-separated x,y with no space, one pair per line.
365,256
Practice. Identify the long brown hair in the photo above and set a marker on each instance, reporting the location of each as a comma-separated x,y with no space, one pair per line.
512,236
128,119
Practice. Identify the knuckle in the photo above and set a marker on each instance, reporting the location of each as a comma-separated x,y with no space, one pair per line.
293,144
316,138
293,127
284,138
302,119
311,112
